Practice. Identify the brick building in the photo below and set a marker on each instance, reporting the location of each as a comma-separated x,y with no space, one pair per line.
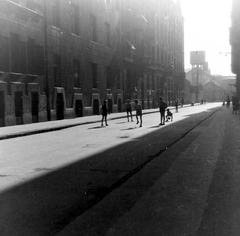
60,59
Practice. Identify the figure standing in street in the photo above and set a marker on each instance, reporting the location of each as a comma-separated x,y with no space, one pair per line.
129,110
182,102
162,107
228,101
235,104
176,105
104,112
138,109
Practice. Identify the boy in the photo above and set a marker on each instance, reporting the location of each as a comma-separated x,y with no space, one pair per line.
169,115
129,110
176,105
138,112
162,108
104,112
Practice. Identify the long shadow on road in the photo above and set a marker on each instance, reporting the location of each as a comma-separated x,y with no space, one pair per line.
43,206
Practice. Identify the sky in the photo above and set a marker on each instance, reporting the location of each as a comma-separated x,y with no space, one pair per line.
207,25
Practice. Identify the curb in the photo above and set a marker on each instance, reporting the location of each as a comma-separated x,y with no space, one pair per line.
50,129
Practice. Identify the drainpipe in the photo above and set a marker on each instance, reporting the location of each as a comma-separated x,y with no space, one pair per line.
121,36
46,87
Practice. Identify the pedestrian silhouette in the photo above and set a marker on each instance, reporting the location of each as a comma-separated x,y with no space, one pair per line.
182,102
162,108
228,101
129,110
176,105
104,113
235,104
138,109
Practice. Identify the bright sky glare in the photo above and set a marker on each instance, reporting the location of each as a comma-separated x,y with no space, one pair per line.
207,25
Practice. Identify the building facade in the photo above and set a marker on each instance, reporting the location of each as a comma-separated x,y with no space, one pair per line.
213,93
235,42
60,59
201,84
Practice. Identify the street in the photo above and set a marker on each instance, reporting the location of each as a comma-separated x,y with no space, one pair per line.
177,179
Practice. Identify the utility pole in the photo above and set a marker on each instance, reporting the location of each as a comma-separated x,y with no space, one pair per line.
197,83
213,91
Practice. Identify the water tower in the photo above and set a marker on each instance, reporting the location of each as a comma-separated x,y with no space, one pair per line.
197,60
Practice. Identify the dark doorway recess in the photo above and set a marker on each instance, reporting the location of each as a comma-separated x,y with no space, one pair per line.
78,108
34,103
95,107
110,105
19,107
60,106
2,109
119,105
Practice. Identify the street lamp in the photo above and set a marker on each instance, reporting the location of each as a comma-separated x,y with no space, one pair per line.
225,53
197,83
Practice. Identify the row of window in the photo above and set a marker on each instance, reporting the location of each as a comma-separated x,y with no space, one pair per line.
21,57
28,58
76,73
145,50
75,18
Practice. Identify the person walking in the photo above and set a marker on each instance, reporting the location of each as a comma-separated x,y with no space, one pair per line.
228,101
104,113
176,105
235,104
138,109
129,110
162,107
182,102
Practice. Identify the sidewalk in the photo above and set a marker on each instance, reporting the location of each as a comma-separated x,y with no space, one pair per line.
42,127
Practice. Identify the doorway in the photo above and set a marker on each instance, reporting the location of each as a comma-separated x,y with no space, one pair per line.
78,108
95,107
119,105
60,106
34,103
110,105
19,107
2,110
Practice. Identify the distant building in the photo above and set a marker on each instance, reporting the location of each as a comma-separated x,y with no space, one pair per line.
197,77
60,59
204,85
212,92
188,96
210,87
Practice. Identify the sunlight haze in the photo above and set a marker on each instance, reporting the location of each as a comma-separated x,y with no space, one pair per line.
207,25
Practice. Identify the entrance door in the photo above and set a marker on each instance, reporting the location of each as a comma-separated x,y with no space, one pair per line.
34,103
2,109
95,107
60,106
119,105
78,108
19,107
110,105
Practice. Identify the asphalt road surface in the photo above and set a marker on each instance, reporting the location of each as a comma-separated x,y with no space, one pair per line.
177,179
